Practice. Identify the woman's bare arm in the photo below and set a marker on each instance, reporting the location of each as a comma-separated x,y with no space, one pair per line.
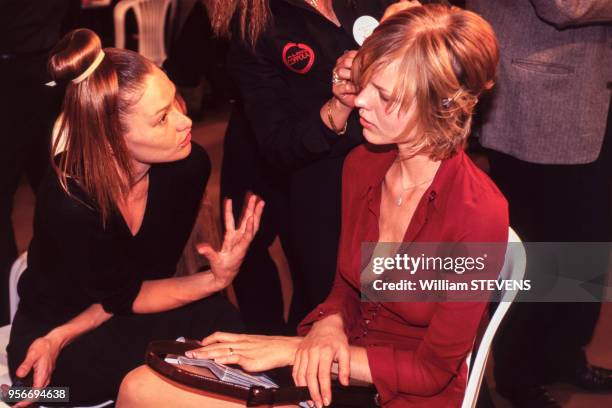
166,294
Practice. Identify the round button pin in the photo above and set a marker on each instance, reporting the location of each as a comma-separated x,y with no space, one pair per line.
363,27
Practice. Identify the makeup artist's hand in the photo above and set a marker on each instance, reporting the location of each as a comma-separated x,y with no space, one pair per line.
342,86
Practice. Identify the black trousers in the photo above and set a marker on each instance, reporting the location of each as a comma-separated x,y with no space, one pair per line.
28,110
257,285
95,363
541,342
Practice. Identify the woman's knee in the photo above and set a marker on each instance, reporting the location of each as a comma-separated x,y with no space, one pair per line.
142,387
137,388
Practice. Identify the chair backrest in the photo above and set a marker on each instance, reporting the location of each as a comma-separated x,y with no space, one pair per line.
514,268
151,20
17,269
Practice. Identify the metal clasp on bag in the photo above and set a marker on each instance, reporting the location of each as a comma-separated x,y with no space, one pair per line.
258,396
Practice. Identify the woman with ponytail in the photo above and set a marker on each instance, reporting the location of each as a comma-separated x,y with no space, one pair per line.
110,225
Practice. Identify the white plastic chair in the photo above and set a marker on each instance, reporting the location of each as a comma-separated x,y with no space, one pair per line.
17,269
514,269
151,21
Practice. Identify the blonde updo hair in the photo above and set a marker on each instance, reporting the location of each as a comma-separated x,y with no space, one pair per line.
446,57
92,122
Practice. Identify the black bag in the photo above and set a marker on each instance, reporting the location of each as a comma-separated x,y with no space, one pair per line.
350,396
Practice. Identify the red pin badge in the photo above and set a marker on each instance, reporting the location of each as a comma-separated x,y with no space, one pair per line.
298,57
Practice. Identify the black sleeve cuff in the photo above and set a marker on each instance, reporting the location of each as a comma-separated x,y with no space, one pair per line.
352,138
121,302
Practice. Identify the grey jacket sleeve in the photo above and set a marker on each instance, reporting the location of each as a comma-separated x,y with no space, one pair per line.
568,13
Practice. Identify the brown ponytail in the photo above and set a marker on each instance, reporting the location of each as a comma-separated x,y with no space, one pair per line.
92,122
254,16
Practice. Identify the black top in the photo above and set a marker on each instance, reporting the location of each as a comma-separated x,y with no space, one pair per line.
283,83
73,262
287,79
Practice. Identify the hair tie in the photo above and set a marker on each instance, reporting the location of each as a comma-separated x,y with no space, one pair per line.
87,72
447,101
90,69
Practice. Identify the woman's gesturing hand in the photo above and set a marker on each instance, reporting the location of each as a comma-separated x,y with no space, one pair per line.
41,357
342,86
225,263
251,352
325,344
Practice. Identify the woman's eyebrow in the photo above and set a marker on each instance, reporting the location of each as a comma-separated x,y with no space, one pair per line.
169,104
380,88
162,109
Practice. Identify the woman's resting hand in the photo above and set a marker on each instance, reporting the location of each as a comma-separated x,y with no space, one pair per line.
253,353
325,344
41,357
44,351
225,263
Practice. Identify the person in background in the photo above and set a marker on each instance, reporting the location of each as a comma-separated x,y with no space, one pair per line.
110,225
551,156
286,142
415,84
197,53
28,108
